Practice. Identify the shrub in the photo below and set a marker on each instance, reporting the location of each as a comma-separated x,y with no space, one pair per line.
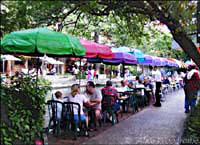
191,133
22,109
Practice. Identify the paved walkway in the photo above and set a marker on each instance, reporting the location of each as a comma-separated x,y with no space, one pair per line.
151,126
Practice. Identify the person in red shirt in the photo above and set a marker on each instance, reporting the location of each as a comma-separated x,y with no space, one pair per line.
191,87
109,91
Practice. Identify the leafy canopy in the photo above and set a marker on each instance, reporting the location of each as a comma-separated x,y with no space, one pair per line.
123,22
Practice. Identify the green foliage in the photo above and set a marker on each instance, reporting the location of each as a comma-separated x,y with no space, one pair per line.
81,75
122,23
122,26
133,70
192,130
23,103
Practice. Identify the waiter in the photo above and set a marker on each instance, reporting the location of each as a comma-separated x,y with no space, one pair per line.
157,78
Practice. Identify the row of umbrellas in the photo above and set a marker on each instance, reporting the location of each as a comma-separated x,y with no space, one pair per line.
125,56
42,41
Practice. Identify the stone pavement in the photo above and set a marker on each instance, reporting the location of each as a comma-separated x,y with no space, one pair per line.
150,126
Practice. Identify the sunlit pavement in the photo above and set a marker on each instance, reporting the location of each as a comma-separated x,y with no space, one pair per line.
152,125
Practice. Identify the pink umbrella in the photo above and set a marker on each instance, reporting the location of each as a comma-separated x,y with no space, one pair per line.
95,50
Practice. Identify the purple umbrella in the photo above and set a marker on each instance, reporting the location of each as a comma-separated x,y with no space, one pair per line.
156,61
147,60
165,62
121,58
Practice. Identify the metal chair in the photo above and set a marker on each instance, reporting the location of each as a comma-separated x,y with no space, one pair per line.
132,101
140,98
107,107
69,117
55,115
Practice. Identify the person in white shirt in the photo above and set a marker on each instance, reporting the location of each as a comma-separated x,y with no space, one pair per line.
140,85
123,87
76,71
76,97
157,78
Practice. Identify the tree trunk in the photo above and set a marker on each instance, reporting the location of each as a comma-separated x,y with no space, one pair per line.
188,46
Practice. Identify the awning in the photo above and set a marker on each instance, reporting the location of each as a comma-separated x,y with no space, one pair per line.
10,57
95,50
50,60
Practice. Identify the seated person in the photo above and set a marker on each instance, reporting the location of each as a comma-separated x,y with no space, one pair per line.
123,87
95,98
149,94
136,81
58,95
130,86
148,84
141,77
140,85
52,70
111,92
76,97
166,81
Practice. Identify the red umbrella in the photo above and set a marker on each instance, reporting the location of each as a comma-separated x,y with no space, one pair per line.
95,50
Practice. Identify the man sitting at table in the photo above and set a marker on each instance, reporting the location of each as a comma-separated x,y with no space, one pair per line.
123,87
95,98
111,92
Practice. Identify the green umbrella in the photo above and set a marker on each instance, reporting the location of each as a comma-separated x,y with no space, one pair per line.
41,41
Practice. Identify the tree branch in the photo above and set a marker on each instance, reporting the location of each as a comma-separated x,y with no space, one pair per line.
50,17
78,17
65,24
104,12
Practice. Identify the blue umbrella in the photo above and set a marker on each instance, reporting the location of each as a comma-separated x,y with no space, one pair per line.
147,60
137,53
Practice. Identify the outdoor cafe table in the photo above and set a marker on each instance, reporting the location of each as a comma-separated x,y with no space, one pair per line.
141,97
123,100
124,97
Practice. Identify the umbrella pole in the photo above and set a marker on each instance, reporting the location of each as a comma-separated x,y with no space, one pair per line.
80,73
123,70
3,65
111,72
37,68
